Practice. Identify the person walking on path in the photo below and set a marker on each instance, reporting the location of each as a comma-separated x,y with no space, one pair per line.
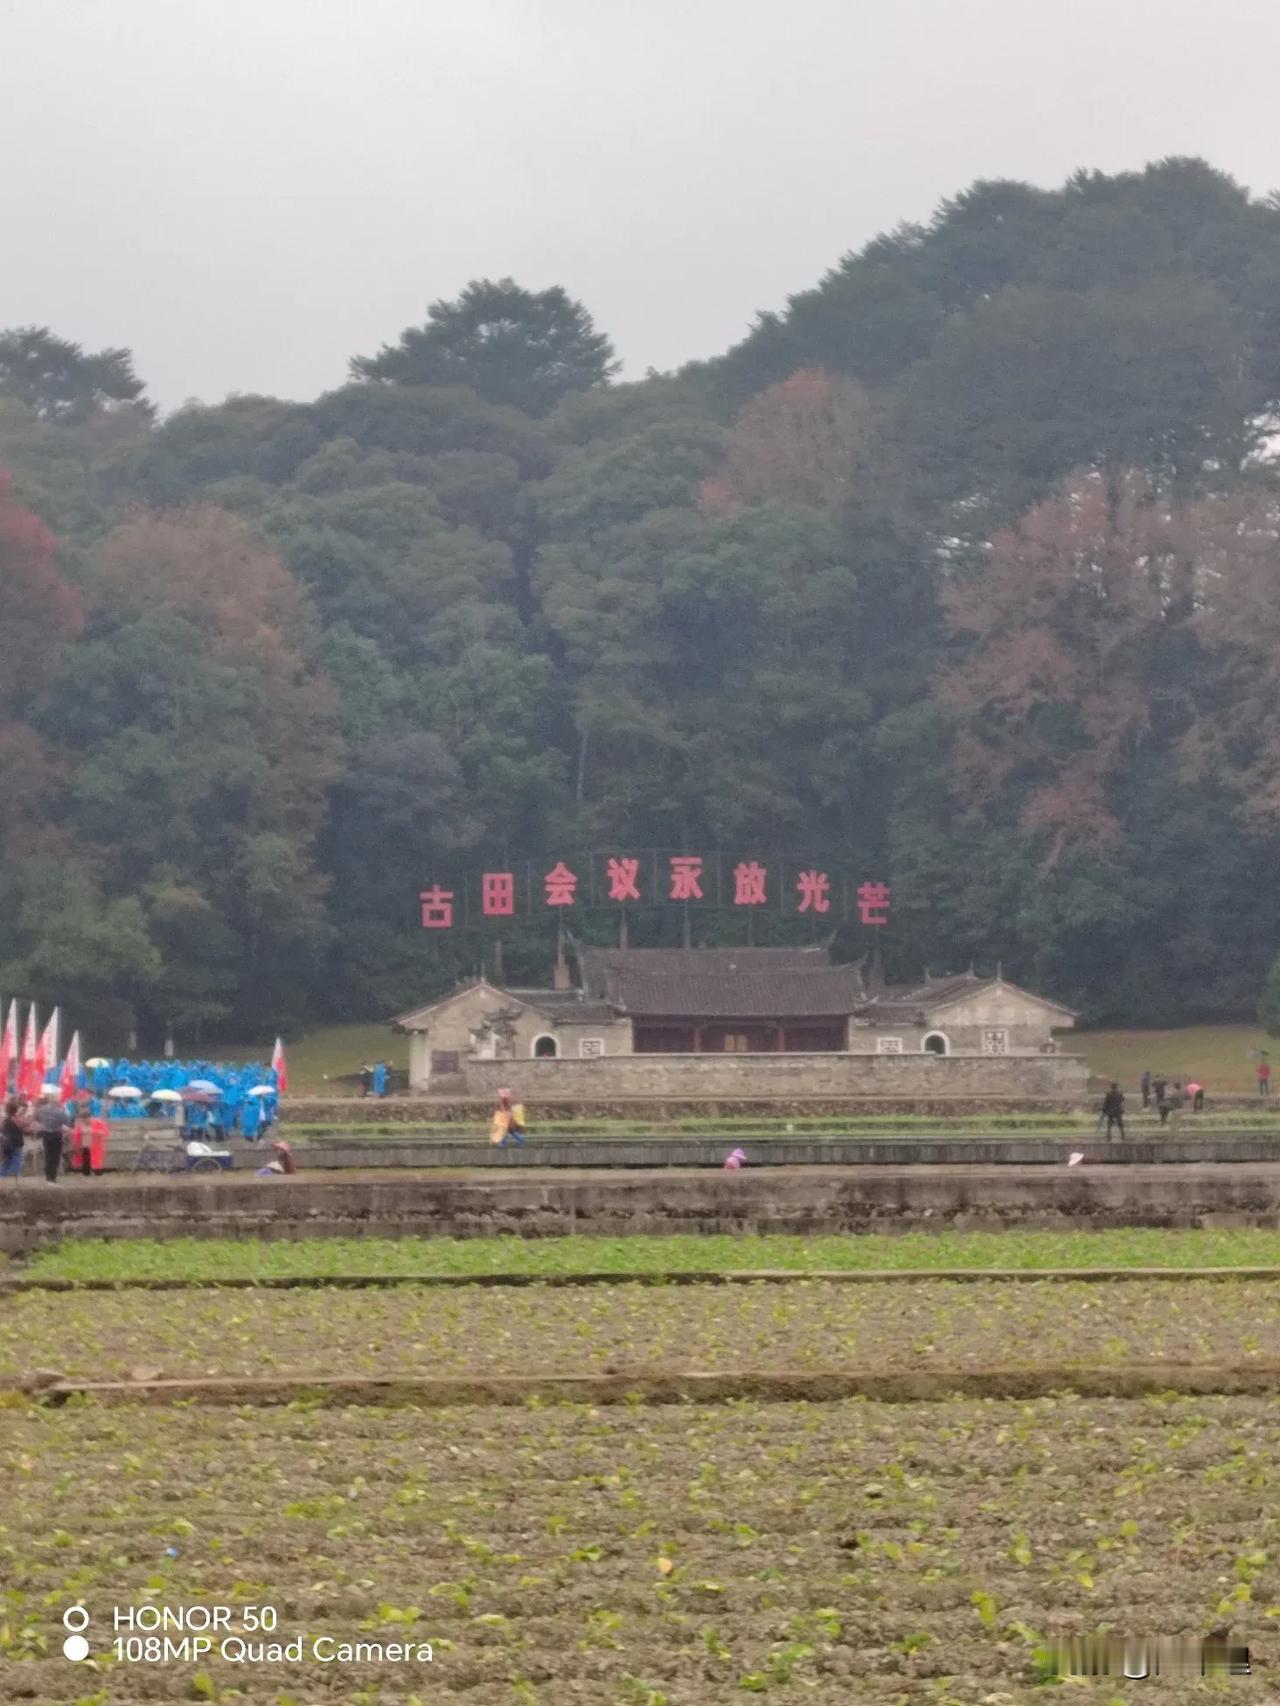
507,1121
1113,1108
1146,1089
1158,1087
380,1079
51,1123
1196,1093
13,1138
1264,1076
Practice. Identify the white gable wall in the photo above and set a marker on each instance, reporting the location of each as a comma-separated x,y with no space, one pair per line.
462,1024
1028,1022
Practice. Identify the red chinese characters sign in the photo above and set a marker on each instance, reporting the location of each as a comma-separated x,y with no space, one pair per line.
618,878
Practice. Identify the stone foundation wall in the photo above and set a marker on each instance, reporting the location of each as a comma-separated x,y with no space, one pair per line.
666,1201
1043,1077
357,1113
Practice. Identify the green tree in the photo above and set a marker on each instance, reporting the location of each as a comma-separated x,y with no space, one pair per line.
60,381
510,345
205,743
1035,383
63,940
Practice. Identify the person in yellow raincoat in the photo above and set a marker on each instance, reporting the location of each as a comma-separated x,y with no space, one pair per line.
507,1121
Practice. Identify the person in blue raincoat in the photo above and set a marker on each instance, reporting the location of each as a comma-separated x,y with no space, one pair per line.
251,1118
380,1078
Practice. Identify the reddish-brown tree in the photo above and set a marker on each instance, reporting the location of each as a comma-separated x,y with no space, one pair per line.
204,565
38,609
36,604
1233,545
1053,685
806,440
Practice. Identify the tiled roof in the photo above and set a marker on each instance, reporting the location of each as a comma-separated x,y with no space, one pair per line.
904,1006
568,1006
599,964
722,983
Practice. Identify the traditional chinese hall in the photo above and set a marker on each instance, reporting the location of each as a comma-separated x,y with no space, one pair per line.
726,1000
748,1003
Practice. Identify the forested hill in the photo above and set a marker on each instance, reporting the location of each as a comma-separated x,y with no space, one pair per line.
966,563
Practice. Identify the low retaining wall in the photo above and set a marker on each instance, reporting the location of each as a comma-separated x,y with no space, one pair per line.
475,1111
354,1151
532,1204
1039,1076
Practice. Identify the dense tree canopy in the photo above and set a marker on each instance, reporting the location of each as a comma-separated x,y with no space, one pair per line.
59,381
522,347
964,566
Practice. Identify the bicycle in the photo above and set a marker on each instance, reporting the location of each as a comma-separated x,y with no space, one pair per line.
172,1158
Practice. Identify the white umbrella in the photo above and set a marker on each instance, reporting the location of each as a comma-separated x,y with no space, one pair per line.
124,1093
50,1090
97,1061
263,1090
165,1096
205,1086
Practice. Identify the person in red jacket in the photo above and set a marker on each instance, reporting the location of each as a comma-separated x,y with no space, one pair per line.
98,1129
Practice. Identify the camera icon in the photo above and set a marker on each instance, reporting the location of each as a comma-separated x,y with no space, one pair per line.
75,1647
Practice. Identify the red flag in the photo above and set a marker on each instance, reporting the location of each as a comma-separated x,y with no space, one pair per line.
29,1079
8,1047
47,1051
280,1067
69,1083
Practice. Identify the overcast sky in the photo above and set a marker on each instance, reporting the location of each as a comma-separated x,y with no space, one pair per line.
248,192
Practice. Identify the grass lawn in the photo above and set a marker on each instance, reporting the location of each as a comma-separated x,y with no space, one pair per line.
328,1052
1216,1055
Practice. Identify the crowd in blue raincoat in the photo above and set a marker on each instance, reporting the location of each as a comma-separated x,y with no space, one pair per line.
227,1108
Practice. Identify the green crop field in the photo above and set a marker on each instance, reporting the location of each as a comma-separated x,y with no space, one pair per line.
693,1555
542,1550
477,1331
687,1553
199,1259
